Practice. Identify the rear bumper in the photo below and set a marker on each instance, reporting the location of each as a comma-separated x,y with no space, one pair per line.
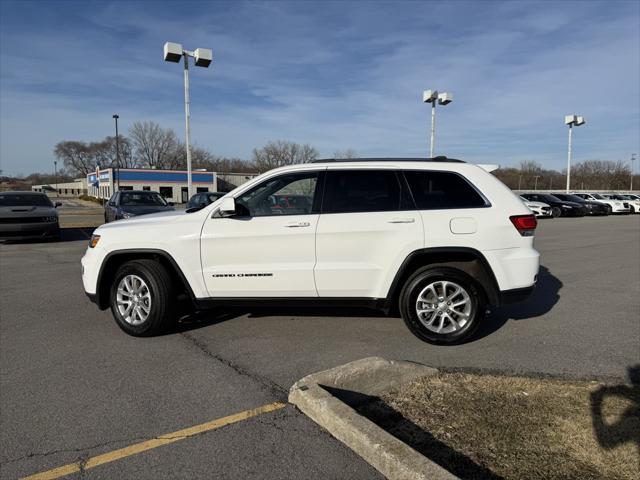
516,295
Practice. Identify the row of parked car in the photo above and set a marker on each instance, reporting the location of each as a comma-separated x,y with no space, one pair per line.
580,204
26,215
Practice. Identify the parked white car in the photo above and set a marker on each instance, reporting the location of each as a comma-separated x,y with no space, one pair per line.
617,206
630,200
540,209
635,199
438,239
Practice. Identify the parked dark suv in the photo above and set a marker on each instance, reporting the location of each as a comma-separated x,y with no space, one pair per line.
131,203
559,208
591,208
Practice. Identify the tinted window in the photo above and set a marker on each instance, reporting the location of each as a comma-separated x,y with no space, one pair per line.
141,198
350,191
290,194
437,190
17,200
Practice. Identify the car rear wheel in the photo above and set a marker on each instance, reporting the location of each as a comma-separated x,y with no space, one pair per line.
556,212
141,298
442,305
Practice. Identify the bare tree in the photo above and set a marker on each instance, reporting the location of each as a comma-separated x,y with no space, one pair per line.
77,157
281,153
154,146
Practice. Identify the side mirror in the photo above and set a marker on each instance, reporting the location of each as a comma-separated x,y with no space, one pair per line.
228,206
57,204
112,204
171,204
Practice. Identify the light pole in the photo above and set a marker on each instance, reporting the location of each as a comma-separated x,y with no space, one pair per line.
173,52
571,120
432,96
116,117
519,181
633,159
55,175
535,185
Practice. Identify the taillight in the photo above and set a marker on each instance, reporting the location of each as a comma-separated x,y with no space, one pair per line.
525,224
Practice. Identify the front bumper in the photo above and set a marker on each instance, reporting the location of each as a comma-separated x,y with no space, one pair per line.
29,231
573,212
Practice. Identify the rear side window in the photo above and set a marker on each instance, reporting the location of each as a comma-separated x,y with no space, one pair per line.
351,191
440,190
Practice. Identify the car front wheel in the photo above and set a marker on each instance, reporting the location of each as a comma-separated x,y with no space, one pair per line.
442,305
141,298
556,212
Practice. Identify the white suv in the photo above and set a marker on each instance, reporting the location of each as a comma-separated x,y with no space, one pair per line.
438,239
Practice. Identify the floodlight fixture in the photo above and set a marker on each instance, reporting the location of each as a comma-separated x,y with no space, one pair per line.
445,98
571,121
203,57
429,96
172,52
434,97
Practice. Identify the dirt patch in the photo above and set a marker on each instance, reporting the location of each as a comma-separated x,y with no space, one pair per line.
487,426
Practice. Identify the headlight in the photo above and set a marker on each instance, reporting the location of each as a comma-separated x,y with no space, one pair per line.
94,241
566,206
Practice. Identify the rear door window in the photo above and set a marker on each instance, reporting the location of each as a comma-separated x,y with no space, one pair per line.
351,191
442,190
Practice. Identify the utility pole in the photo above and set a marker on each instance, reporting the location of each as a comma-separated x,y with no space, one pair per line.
116,117
571,120
173,52
535,186
633,159
55,175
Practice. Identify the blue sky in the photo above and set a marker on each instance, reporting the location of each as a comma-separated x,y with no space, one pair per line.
336,75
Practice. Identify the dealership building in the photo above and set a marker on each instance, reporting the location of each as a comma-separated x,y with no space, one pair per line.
171,184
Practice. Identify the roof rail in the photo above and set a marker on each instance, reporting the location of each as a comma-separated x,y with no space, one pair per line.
441,158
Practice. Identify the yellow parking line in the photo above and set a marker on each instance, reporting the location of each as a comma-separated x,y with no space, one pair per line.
153,443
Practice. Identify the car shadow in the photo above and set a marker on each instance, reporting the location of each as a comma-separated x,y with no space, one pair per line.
542,300
195,320
626,427
424,442
544,297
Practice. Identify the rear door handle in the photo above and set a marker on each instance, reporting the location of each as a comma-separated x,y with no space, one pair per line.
297,224
402,220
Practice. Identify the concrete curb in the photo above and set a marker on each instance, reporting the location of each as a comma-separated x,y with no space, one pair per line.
368,376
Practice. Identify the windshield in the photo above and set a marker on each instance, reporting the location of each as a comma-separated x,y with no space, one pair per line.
571,198
545,197
131,199
17,200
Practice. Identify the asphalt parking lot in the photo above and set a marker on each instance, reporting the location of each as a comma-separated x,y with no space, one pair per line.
73,386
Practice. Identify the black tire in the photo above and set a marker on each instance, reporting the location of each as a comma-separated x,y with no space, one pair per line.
106,220
423,278
609,210
160,290
556,212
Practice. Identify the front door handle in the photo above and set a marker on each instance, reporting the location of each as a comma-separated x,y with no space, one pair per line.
402,220
297,224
